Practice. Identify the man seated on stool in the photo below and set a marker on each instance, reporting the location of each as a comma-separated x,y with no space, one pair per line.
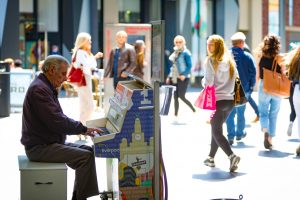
45,126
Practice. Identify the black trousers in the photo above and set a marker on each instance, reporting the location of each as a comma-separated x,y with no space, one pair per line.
224,108
181,87
293,112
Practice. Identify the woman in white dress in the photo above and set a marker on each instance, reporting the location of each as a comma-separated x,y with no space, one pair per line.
83,58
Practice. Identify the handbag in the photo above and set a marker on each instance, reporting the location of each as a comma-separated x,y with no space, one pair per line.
76,75
207,98
239,93
276,83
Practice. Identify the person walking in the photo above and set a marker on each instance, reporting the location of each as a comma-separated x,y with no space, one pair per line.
247,72
220,72
268,105
288,58
293,112
84,59
18,66
251,101
11,63
139,47
294,76
121,58
45,127
179,75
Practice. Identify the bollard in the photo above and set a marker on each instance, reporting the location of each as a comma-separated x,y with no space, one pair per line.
4,89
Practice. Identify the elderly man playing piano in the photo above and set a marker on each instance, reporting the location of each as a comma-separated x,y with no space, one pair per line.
45,127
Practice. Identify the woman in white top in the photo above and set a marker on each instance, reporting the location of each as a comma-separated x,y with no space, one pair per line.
220,72
85,60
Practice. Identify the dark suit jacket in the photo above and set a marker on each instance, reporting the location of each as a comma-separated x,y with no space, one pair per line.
126,62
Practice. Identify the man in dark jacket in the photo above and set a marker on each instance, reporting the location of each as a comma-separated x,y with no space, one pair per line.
45,126
121,58
247,73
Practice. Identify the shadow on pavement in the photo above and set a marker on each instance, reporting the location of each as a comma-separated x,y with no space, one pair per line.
242,145
248,126
215,174
296,157
179,123
274,154
293,140
239,198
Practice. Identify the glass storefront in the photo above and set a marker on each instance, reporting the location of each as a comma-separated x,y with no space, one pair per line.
28,34
129,11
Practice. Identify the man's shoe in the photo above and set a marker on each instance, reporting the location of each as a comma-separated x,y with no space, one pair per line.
234,161
230,142
256,119
238,138
209,162
290,129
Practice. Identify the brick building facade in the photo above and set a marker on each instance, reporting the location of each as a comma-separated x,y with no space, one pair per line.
292,26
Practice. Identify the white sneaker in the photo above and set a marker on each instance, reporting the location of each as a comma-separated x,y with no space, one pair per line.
209,162
290,129
175,120
234,161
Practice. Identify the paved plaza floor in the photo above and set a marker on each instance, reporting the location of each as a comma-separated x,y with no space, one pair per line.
262,174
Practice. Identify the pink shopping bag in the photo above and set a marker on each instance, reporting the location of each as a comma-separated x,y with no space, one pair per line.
207,98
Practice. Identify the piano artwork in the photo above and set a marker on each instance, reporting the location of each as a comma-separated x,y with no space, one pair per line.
130,138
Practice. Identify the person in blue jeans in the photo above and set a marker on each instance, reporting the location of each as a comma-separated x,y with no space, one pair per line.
247,72
255,108
251,101
268,104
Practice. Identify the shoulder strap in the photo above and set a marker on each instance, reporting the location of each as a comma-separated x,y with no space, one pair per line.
74,58
274,64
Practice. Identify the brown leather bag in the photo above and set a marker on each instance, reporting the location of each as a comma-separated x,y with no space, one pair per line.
239,93
276,83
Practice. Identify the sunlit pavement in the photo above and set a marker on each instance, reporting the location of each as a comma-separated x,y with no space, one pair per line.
262,174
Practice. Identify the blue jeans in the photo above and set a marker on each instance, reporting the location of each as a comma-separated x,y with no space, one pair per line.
268,106
252,103
240,125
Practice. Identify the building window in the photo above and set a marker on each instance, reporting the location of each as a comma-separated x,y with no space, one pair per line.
129,11
274,17
291,9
